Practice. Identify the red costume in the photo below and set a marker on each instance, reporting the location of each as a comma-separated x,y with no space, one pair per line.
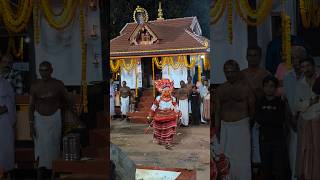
165,113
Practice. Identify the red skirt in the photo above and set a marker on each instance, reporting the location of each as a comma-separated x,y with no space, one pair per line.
164,125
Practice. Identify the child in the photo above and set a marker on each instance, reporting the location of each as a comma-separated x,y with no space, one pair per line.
195,105
270,115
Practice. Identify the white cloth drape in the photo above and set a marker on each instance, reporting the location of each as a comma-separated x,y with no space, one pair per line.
62,49
130,76
222,50
177,75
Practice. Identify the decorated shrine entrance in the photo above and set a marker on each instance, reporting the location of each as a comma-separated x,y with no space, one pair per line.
149,50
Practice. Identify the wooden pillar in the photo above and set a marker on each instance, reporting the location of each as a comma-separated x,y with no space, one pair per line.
104,26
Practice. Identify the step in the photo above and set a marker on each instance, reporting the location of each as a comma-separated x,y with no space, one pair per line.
138,120
140,113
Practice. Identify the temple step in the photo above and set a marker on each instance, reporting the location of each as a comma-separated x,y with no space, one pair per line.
138,119
139,113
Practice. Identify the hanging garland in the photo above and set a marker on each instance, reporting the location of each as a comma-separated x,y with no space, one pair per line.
84,87
244,10
36,22
192,63
286,39
199,69
206,63
132,65
115,67
16,22
63,21
310,13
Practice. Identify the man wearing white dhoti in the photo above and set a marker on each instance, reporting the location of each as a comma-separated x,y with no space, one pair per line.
290,81
232,116
7,120
112,95
125,99
47,100
183,94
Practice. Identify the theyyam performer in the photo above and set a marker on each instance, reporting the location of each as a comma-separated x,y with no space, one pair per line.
165,114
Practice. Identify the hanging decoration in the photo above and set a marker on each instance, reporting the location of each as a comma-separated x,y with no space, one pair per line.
248,14
286,39
153,78
16,22
310,13
11,49
84,87
121,63
199,69
36,22
67,15
206,63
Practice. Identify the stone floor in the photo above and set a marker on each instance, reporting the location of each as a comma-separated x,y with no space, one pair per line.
191,150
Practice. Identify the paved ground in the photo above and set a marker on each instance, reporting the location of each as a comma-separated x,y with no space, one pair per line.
191,148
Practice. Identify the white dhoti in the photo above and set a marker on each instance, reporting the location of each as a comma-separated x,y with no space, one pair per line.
183,107
236,145
112,111
293,145
125,103
201,112
47,142
190,110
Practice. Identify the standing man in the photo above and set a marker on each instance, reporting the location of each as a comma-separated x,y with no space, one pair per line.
12,76
290,82
307,107
254,74
47,102
189,86
183,94
7,120
232,117
125,99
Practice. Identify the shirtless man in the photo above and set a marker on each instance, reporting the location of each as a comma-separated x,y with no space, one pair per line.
233,112
254,73
125,99
47,102
183,96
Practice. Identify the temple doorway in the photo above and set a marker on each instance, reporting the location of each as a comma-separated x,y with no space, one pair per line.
146,64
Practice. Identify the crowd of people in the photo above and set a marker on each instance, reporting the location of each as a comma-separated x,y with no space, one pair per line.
269,127
193,101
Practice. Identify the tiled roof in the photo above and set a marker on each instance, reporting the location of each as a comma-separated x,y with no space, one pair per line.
174,36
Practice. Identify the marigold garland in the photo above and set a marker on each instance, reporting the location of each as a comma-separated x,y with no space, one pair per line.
84,87
16,22
36,22
286,39
63,21
310,13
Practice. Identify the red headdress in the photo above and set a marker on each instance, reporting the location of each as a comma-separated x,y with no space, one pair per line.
164,84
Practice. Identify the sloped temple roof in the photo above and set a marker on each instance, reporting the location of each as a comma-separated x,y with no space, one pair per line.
174,36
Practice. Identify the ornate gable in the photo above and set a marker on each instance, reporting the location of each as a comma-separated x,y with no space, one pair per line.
143,35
